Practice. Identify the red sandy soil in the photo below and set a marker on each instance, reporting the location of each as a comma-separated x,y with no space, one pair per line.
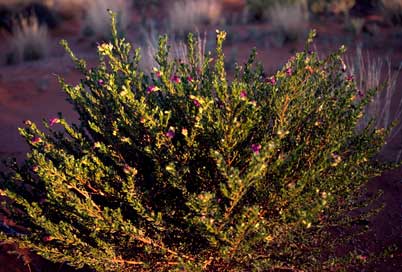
31,91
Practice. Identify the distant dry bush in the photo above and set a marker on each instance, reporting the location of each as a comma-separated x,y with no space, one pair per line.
257,8
29,40
342,6
289,19
392,11
178,51
186,16
97,23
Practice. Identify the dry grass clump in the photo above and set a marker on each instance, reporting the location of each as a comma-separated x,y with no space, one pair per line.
97,18
386,106
289,19
29,40
186,16
392,11
178,50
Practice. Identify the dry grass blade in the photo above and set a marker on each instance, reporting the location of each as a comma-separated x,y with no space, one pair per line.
386,106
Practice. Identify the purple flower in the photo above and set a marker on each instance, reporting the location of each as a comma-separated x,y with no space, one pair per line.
256,148
101,82
47,238
196,103
360,93
289,71
27,123
272,80
344,67
175,79
127,169
152,89
349,78
170,133
36,140
190,79
54,121
243,94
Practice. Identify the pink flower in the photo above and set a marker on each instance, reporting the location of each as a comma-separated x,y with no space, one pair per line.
256,148
289,71
158,73
190,79
272,80
127,169
36,140
47,238
360,93
101,82
349,78
243,94
344,67
28,123
196,103
176,79
362,257
54,121
170,134
152,89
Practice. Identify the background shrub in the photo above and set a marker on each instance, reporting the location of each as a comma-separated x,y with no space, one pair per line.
187,16
182,169
290,20
392,11
29,40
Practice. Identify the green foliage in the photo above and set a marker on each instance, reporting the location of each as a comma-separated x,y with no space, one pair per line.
184,169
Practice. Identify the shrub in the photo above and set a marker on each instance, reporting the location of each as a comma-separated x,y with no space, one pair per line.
181,169
289,19
29,40
187,16
257,8
392,11
260,9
